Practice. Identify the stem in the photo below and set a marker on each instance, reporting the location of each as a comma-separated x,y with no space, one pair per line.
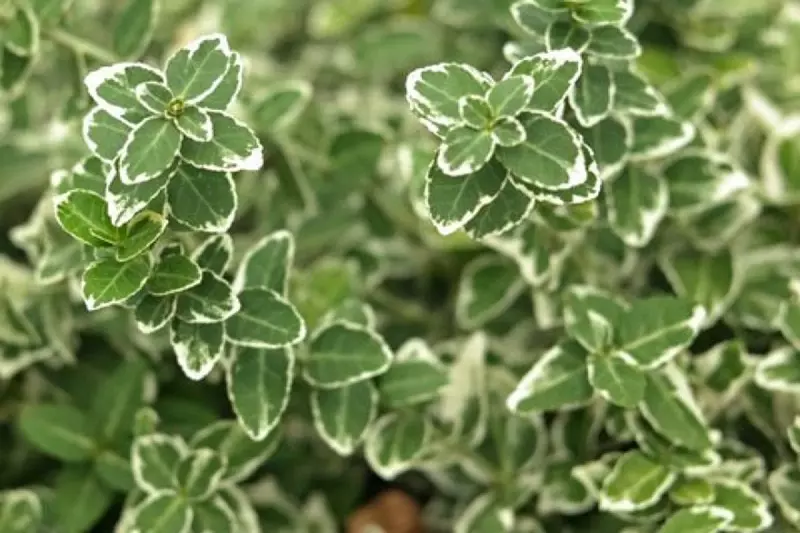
79,45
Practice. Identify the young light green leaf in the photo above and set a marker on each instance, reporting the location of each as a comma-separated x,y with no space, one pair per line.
266,264
416,376
265,319
613,42
198,346
154,458
475,111
636,482
109,282
140,234
60,431
655,329
195,123
433,92
212,300
558,380
508,132
228,89
104,134
698,520
551,155
637,202
149,150
259,387
153,313
779,371
396,441
488,286
281,105
750,510
342,354
173,274
617,378
465,151
784,485
203,200
84,215
134,27
342,416
21,32
20,511
233,147
113,89
198,474
163,513
194,71
554,74
452,202
511,95
592,97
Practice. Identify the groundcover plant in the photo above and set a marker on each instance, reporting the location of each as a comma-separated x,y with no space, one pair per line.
532,265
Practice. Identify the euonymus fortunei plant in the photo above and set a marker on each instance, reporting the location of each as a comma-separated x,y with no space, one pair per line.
533,263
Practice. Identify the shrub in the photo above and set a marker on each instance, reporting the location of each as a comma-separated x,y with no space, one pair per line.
529,266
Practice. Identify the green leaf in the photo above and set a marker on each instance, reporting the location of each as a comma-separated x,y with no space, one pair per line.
433,92
198,346
617,379
483,515
154,458
281,105
265,319
194,71
558,380
195,123
163,513
199,473
84,215
113,89
149,150
214,515
551,155
126,201
590,315
173,274
226,91
610,140
784,485
140,234
779,371
562,34
266,264
592,97
512,205
636,96
342,416
214,254
699,179
452,202
233,147
535,17
692,491
81,499
60,431
153,313
488,286
203,200
244,455
109,282
636,482
103,134
508,132
342,354
112,466
396,441
750,510
697,520
603,12
475,111
613,42
658,137
121,394
22,32
416,376
554,74
637,202
134,27
20,511
465,151
668,405
655,329
155,97
511,95
259,387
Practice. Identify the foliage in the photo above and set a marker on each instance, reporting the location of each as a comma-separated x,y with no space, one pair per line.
535,263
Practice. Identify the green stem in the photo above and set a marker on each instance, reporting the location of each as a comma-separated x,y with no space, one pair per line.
79,45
